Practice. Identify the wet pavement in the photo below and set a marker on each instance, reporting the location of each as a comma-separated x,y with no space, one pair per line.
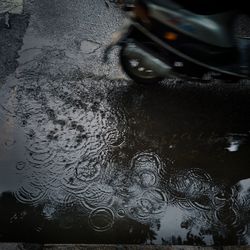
11,6
87,156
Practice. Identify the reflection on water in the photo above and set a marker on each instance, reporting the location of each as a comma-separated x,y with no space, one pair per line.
234,141
104,162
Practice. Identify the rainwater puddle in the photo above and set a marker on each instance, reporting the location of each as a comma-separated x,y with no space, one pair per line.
100,162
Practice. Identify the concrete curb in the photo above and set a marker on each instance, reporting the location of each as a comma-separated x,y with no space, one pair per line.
27,246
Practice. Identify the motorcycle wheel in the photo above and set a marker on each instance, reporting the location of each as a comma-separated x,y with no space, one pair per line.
136,70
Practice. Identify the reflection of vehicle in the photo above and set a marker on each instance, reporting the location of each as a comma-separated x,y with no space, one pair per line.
163,38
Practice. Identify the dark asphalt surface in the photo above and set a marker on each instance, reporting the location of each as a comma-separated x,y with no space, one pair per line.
86,156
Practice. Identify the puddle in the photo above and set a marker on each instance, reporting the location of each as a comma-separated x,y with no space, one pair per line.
95,159
86,159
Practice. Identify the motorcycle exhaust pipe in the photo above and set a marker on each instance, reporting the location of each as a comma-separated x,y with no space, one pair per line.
132,51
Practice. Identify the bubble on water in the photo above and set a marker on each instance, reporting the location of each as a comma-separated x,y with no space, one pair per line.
121,212
101,219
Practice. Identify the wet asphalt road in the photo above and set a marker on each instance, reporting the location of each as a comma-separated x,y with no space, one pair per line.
87,156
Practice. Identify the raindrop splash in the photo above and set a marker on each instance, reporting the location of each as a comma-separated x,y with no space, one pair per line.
101,219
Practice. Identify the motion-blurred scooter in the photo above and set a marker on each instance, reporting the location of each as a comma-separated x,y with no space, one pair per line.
163,38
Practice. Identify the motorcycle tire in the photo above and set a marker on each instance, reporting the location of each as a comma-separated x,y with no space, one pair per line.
131,71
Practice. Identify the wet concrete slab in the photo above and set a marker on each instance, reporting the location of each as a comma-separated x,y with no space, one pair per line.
89,157
11,6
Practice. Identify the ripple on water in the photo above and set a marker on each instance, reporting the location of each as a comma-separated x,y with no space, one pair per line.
226,216
30,108
146,168
72,142
147,178
70,182
39,153
242,190
146,161
151,202
124,185
61,197
96,195
191,183
121,212
114,138
30,194
221,196
88,170
63,160
101,219
114,123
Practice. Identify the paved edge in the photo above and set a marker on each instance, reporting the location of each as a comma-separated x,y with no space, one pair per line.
28,246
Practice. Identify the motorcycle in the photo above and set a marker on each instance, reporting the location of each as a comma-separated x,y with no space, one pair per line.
163,38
